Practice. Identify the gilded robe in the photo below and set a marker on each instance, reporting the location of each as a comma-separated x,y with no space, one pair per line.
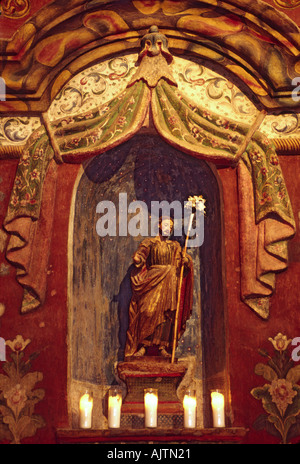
154,283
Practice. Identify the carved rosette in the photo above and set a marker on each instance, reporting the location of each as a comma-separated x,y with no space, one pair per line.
15,9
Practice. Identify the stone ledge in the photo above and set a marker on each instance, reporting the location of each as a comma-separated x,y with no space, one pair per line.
157,435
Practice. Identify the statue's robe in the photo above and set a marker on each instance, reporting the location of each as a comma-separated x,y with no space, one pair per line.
155,282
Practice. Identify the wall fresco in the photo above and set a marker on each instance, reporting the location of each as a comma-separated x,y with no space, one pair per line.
18,395
280,396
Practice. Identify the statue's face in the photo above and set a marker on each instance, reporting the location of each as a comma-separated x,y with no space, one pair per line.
166,227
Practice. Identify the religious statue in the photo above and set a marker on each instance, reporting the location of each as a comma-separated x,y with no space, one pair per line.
158,265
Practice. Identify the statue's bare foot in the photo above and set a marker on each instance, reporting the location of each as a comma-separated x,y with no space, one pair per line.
164,353
140,352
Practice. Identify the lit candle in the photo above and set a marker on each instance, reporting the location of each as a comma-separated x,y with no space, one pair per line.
189,406
114,407
151,401
86,408
217,403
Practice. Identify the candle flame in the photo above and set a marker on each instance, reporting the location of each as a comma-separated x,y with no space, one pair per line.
189,402
114,401
151,399
86,401
217,400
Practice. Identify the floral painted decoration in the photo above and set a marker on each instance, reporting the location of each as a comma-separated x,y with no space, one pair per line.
26,195
281,395
17,394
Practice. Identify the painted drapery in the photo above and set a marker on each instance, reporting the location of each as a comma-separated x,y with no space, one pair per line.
29,218
266,217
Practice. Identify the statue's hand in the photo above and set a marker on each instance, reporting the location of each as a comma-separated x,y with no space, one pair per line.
185,260
137,261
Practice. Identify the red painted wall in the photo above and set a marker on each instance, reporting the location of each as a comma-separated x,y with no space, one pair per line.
47,327
246,331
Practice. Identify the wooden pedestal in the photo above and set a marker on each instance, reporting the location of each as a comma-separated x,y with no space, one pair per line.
152,372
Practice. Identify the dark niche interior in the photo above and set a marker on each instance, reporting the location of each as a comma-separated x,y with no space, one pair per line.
147,169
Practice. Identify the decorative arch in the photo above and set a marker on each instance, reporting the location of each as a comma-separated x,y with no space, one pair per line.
256,43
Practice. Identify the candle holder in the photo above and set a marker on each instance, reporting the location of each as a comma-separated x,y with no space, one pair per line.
150,402
114,407
86,410
190,408
218,410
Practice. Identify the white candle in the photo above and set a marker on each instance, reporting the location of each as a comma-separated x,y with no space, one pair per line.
86,408
189,406
114,408
217,403
151,401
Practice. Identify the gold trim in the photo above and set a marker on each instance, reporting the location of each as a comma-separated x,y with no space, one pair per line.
11,151
255,126
52,140
287,146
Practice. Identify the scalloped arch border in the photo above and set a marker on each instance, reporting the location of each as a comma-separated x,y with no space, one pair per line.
62,40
